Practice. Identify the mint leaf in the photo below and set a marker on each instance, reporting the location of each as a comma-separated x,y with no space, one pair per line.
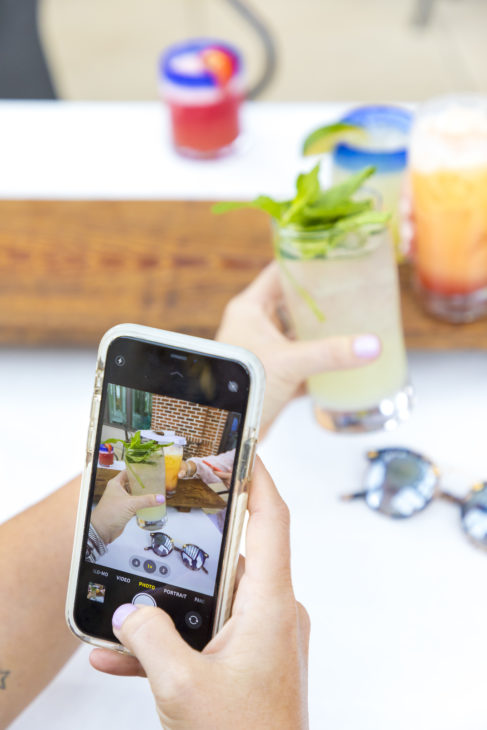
343,191
307,190
263,202
328,213
371,217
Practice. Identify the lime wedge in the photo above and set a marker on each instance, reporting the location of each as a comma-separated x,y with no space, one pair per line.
325,139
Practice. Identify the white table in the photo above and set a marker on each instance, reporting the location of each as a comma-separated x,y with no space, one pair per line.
399,636
119,150
397,608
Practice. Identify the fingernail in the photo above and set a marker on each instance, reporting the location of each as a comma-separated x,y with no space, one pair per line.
121,614
160,498
366,346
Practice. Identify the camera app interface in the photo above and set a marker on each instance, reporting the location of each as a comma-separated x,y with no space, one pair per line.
162,485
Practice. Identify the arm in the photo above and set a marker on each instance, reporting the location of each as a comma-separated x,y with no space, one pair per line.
220,470
35,642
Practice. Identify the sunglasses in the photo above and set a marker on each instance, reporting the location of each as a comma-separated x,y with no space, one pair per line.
192,556
400,482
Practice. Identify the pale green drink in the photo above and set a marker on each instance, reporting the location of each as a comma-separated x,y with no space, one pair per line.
149,477
348,289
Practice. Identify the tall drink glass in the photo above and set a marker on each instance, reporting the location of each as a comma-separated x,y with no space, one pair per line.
448,164
149,478
384,146
347,289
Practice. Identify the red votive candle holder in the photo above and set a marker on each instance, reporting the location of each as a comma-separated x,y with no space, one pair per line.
202,83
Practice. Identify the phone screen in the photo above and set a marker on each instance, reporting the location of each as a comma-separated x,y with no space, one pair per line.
170,424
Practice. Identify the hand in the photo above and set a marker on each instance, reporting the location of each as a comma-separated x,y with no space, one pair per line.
187,469
253,674
251,320
224,476
117,506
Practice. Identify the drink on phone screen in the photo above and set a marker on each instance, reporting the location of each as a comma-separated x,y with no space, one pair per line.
173,454
149,478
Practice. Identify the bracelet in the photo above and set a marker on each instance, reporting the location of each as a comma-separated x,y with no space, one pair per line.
95,547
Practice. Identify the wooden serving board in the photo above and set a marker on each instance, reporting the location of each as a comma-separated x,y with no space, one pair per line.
190,493
69,270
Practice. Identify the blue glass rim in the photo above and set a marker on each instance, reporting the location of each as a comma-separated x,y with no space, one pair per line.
352,157
201,80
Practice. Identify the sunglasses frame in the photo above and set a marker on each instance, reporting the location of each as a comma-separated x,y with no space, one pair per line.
438,492
181,551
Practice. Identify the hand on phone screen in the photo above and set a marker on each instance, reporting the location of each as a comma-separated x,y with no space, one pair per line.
117,506
224,476
261,652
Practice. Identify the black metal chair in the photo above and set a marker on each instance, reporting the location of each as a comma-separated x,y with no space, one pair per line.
24,73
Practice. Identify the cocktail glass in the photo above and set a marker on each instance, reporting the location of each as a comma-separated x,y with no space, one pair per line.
448,165
344,289
202,83
149,477
384,146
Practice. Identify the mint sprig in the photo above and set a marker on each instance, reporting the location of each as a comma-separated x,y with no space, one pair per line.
335,211
137,451
312,208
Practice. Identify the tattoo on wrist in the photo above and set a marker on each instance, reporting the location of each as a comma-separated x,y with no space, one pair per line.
3,678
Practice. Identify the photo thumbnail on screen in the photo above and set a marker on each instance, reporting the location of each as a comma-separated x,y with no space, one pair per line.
163,479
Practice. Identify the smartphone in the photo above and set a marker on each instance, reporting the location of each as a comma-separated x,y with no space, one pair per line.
163,404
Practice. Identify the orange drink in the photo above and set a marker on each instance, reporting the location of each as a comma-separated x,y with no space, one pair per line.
449,194
173,465
173,455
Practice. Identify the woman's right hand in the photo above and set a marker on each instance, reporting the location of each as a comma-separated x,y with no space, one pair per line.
253,673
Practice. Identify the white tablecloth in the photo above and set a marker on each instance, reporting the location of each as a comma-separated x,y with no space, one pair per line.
119,150
397,608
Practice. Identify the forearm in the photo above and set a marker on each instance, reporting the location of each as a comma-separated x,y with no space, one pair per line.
34,640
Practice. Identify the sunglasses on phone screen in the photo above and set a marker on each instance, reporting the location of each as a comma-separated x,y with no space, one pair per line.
399,483
192,556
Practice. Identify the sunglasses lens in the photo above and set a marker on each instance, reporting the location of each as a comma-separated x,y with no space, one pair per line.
399,482
193,557
161,544
474,515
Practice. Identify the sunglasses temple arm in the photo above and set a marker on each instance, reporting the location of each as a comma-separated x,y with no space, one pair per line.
450,497
355,495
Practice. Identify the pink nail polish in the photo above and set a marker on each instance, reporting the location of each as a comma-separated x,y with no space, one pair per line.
160,498
366,346
121,614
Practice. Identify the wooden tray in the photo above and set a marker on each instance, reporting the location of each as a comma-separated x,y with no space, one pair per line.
69,270
190,493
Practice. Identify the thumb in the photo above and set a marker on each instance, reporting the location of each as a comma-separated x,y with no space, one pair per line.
310,357
150,635
141,501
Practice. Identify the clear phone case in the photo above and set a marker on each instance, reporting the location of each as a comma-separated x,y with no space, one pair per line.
244,464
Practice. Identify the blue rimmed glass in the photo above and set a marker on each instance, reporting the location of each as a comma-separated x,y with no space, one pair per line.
385,147
202,82
399,483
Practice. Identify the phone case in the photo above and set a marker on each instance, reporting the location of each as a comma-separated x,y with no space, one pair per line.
243,467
